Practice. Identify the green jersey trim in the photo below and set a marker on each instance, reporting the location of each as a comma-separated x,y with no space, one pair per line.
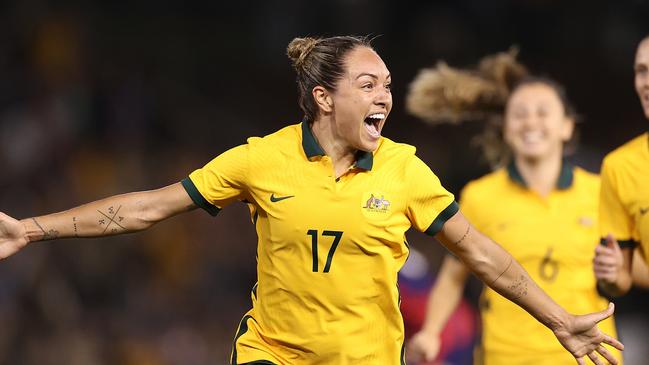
364,159
445,215
198,199
566,175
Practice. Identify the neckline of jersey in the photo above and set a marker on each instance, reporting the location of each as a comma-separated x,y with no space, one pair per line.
566,175
364,159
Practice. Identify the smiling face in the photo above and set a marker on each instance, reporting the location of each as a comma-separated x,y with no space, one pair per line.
362,100
536,124
641,70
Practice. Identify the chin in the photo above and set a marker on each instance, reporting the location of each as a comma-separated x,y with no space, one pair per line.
532,155
369,146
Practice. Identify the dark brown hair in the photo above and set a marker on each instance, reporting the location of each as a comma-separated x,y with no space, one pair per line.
320,62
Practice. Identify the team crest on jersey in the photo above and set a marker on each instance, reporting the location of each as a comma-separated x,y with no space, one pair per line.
374,202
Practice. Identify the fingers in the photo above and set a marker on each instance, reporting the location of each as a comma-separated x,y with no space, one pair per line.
595,359
600,316
607,263
608,274
607,355
613,342
611,241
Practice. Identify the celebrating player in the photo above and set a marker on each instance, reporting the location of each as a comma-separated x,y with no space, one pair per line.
331,200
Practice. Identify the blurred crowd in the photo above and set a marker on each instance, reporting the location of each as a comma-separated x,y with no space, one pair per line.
103,98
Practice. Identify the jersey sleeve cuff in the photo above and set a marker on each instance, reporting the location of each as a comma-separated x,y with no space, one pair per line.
623,243
198,199
445,215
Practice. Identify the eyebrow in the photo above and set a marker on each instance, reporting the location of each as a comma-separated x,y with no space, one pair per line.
372,76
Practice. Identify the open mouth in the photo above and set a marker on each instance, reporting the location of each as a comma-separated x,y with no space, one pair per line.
532,137
373,124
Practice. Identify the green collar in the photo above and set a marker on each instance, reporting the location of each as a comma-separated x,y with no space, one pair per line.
364,160
565,176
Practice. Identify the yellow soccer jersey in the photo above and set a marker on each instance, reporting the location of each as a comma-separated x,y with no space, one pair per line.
554,239
328,249
625,194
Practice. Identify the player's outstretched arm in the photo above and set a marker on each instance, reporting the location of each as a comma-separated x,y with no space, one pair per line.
114,215
498,269
443,299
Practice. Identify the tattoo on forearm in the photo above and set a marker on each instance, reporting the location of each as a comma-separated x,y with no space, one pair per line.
519,288
501,274
468,227
74,221
47,235
110,219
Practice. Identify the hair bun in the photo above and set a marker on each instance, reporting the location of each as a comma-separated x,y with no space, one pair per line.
298,50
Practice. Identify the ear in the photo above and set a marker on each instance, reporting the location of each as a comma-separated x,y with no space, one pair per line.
567,129
323,99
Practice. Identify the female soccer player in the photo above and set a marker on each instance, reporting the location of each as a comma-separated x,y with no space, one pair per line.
331,200
539,207
624,204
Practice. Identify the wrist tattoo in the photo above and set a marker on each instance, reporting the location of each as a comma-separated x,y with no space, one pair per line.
111,218
468,227
47,235
74,222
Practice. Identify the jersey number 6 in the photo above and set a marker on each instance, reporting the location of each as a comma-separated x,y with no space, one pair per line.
337,235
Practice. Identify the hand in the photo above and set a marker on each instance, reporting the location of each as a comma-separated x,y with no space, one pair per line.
582,338
12,236
608,261
424,347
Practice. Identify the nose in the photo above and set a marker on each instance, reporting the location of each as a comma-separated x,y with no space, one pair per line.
383,98
529,121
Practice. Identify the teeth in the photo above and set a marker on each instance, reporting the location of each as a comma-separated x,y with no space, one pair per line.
531,137
377,116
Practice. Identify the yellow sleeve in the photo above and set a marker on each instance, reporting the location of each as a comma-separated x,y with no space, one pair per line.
429,204
220,182
613,217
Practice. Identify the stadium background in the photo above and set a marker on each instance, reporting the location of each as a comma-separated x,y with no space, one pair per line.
98,98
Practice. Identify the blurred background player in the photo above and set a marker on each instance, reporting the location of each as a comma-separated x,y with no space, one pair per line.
624,206
541,208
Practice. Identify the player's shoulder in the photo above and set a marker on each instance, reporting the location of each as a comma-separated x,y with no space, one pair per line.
487,184
586,181
283,142
390,148
584,176
627,152
485,191
285,135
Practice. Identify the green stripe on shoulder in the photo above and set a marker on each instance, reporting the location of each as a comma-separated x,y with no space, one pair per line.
445,215
198,199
